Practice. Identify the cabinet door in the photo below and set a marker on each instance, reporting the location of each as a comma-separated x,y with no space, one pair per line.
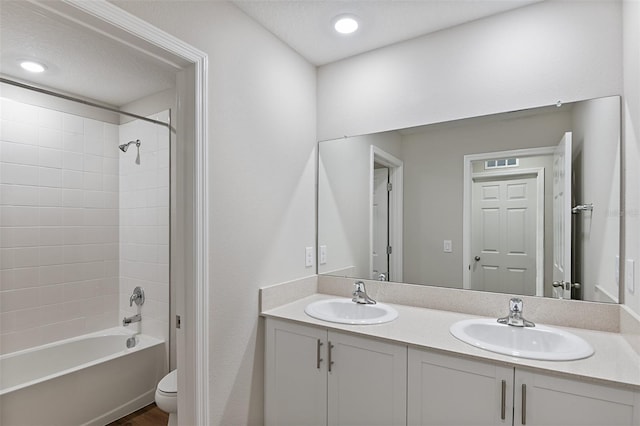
295,380
541,399
367,381
447,390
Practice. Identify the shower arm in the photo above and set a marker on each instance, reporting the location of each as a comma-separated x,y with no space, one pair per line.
125,146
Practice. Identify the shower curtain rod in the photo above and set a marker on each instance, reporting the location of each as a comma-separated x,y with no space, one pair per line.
78,100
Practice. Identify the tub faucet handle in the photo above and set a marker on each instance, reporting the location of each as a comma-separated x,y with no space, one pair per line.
137,296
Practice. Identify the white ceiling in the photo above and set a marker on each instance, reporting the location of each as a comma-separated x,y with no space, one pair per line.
306,25
86,63
80,61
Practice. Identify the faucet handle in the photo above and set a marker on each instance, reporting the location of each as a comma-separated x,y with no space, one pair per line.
515,305
359,286
137,296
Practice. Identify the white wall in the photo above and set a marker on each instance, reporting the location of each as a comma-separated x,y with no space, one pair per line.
58,223
533,56
631,135
262,143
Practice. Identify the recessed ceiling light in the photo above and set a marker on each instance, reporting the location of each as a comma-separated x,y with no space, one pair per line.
33,66
346,24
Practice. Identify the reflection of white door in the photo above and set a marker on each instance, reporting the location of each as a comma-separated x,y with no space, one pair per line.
380,209
504,233
562,217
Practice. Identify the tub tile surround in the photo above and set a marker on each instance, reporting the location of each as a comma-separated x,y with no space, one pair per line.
81,224
144,224
426,313
58,225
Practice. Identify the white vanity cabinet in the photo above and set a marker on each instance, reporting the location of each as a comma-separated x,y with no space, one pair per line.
541,399
450,390
315,376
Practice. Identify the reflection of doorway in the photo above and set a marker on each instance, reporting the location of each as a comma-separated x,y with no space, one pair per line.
380,229
385,251
506,214
533,161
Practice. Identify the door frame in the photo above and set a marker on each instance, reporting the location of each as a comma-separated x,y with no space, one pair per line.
190,256
396,170
467,202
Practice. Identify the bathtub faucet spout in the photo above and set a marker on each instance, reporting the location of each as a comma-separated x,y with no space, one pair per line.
128,320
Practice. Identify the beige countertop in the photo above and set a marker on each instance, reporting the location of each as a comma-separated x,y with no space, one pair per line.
614,360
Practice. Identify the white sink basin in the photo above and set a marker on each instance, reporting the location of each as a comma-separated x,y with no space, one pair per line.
345,311
539,342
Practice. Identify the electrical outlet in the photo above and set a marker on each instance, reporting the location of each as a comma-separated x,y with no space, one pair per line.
323,255
447,246
630,275
308,256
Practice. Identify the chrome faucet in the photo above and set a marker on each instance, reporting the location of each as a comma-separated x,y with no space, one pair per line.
360,294
515,317
128,320
137,296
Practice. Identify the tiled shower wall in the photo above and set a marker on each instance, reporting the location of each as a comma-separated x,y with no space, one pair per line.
144,224
81,224
58,225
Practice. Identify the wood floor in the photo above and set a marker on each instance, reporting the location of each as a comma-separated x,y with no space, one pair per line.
150,415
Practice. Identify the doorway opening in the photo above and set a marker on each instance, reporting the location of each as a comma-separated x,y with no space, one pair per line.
385,216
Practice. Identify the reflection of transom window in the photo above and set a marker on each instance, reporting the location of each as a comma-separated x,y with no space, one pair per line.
501,162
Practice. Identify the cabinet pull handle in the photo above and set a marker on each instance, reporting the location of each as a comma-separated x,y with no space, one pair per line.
503,406
524,404
318,359
329,361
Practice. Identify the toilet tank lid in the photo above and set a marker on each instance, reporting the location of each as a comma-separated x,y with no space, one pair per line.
169,383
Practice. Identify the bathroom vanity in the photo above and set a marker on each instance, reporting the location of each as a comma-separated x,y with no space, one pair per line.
412,371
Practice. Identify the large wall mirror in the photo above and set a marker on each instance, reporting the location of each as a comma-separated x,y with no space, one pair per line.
526,202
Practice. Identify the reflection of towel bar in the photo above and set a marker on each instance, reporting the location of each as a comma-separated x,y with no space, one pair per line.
581,208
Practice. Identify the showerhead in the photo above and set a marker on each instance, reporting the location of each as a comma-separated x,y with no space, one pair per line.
125,146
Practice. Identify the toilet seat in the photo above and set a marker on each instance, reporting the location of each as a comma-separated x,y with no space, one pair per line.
168,386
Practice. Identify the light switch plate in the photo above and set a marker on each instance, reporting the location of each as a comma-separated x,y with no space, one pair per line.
630,275
308,256
323,255
447,247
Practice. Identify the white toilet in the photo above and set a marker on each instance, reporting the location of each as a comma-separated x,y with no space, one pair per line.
167,396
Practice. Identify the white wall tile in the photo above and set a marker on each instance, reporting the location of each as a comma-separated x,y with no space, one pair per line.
18,195
19,216
51,216
51,236
12,279
19,237
50,177
48,157
18,174
50,138
72,123
20,133
73,198
92,163
49,197
73,142
51,255
49,119
73,161
19,153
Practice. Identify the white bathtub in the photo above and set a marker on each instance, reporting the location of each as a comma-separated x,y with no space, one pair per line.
87,380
